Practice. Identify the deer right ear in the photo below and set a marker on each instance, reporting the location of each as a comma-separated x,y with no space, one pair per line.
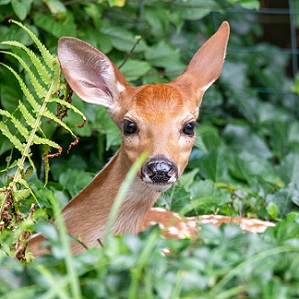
205,66
90,73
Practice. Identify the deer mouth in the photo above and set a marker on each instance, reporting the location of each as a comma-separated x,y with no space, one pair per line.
159,173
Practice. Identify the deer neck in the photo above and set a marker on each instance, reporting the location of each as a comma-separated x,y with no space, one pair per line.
91,207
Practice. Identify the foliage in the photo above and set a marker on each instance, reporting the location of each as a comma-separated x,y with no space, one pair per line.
245,162
23,127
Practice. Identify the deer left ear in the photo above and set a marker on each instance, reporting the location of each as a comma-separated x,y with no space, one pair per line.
90,73
205,66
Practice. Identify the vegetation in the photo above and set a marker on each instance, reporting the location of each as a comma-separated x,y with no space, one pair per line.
245,161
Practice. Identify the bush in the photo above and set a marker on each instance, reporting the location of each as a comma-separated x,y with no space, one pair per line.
245,161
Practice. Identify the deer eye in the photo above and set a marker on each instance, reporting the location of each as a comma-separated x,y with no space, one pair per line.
129,127
188,128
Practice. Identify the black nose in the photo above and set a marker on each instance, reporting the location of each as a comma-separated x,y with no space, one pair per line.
159,170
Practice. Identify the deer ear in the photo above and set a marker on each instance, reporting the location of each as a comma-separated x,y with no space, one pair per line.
205,66
90,73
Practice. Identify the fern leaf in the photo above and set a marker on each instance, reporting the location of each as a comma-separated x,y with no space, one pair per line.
39,89
24,183
21,194
47,56
8,167
18,125
56,74
5,113
40,140
41,69
46,150
30,120
70,106
12,138
27,93
53,117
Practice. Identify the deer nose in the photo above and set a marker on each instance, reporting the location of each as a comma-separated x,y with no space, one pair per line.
159,170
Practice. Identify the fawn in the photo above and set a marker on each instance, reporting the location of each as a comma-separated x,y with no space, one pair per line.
156,118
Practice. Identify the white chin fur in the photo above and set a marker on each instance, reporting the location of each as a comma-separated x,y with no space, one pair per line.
159,187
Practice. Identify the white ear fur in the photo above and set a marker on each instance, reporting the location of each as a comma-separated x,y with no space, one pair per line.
89,72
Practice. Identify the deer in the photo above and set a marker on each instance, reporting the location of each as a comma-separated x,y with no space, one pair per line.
158,119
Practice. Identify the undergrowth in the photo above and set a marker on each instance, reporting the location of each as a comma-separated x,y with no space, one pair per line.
245,161
23,128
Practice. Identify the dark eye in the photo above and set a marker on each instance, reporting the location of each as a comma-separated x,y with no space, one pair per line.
188,129
129,127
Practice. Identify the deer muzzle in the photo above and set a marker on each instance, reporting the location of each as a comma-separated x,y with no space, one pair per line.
159,173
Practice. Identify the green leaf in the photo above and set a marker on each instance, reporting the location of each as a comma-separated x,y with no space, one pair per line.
21,8
53,117
103,42
56,7
122,39
215,165
285,199
10,92
4,2
162,54
5,144
288,170
30,120
75,180
39,89
21,194
209,135
193,9
241,138
117,3
251,168
250,4
15,33
12,138
45,141
205,195
47,56
16,122
54,27
187,179
69,106
41,69
272,210
30,98
157,19
134,69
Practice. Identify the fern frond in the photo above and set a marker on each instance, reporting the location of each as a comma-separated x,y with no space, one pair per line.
56,74
46,150
47,56
18,125
30,98
43,89
8,167
53,117
27,115
12,138
40,140
39,89
68,105
24,183
41,69
21,194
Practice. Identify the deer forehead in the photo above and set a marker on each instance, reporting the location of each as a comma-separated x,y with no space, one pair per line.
160,103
